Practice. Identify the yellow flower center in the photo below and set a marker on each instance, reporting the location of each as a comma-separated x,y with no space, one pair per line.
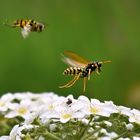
22,110
2,104
93,110
50,107
66,116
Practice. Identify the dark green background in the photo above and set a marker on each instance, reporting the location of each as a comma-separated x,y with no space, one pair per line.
95,29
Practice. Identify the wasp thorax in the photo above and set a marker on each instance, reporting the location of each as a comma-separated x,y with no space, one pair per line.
93,66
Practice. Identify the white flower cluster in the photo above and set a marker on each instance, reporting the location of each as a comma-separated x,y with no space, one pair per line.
49,106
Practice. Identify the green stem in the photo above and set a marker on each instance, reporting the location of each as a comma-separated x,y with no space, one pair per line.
50,135
88,137
83,132
121,135
125,133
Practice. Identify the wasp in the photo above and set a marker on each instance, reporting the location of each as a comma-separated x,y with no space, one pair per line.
79,67
27,26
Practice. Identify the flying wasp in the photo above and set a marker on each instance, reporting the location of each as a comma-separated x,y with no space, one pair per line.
28,25
79,68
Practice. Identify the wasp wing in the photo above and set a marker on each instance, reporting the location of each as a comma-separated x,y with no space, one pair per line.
26,31
73,59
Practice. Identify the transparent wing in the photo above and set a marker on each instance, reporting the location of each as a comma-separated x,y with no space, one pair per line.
26,31
6,23
73,59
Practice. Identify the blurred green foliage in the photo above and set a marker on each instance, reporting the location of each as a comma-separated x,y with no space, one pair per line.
97,30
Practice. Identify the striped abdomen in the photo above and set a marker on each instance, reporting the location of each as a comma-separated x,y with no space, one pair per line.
20,23
73,71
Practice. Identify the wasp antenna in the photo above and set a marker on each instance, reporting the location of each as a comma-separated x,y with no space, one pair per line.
97,71
108,61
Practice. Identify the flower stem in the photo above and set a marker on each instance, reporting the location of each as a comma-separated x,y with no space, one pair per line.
88,137
86,128
125,133
50,135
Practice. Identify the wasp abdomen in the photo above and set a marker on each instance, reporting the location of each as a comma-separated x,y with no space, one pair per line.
19,23
72,71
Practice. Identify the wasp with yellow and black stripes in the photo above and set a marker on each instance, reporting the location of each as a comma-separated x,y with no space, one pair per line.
79,68
28,25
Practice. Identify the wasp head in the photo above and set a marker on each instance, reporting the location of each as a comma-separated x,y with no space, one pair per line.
94,66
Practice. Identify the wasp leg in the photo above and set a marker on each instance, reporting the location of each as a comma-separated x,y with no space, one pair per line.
73,82
70,83
89,74
64,86
107,61
85,80
97,71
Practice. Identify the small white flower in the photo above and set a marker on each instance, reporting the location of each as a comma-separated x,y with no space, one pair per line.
4,138
88,108
48,109
52,127
135,117
7,97
48,102
129,126
104,138
30,117
3,106
95,107
123,139
91,130
112,135
5,102
124,110
136,138
109,124
110,108
41,138
103,131
74,111
61,110
15,133
24,110
66,114
85,121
